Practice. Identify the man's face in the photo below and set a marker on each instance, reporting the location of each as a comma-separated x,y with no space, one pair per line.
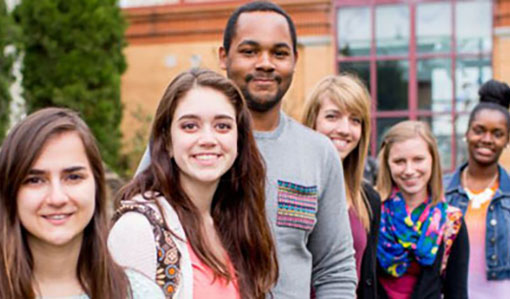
260,60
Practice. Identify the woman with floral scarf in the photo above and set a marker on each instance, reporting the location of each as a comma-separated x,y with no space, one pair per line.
423,247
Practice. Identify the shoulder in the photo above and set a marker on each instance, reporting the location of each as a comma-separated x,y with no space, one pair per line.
142,287
305,135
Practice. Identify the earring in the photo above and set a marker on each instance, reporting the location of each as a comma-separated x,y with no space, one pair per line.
464,139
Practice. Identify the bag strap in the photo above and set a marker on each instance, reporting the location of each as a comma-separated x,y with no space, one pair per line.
168,272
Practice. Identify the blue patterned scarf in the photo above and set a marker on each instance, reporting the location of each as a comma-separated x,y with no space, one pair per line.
405,236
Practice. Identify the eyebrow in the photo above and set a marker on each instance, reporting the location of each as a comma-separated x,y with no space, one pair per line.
334,110
72,169
253,43
193,116
282,45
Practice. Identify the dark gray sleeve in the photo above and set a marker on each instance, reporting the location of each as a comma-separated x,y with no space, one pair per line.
334,270
145,162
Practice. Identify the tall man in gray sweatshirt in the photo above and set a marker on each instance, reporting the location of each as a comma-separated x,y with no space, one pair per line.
305,196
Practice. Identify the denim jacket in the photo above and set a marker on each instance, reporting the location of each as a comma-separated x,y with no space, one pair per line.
497,237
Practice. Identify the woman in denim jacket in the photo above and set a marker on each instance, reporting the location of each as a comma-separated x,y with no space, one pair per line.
481,189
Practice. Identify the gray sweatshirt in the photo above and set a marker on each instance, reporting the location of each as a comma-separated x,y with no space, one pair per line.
306,208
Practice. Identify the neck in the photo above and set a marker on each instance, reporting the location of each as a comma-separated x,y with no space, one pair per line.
55,267
201,194
266,121
481,172
414,200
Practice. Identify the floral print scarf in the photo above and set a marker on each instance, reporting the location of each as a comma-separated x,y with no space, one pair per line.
409,235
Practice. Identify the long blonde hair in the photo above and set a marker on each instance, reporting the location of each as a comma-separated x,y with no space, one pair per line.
400,132
349,94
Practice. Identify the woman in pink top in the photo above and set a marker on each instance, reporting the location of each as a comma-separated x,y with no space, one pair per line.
195,220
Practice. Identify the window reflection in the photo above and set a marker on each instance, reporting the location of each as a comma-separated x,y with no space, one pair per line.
354,31
392,84
473,25
470,74
392,29
441,127
433,27
361,69
435,85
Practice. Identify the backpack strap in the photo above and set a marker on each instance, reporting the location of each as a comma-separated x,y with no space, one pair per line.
452,228
168,272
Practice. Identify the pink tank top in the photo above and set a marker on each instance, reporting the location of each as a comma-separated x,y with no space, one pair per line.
204,285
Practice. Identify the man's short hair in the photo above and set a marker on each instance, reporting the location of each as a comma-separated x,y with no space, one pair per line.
255,6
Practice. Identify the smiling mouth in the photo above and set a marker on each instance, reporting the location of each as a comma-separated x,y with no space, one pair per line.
206,157
484,150
58,218
340,142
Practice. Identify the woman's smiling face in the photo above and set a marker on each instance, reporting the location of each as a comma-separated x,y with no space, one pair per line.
204,135
56,200
342,127
487,136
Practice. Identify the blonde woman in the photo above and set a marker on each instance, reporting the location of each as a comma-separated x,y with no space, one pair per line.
423,247
339,107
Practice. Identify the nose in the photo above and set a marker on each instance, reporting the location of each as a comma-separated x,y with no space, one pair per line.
487,137
264,62
409,168
207,137
342,125
57,194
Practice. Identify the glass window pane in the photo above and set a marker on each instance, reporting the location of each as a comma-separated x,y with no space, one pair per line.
383,125
461,124
470,74
354,31
473,25
433,27
435,86
392,84
361,69
392,29
441,127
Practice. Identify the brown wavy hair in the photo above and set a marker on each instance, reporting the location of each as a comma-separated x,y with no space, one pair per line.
97,273
238,206
401,132
349,93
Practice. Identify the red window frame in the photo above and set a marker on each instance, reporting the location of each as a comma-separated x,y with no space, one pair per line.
413,112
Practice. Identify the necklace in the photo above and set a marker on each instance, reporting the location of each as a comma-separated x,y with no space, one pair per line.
477,199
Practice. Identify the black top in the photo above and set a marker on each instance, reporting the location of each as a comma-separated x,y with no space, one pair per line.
431,285
367,285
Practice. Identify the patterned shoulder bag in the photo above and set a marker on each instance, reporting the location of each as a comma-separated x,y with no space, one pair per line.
168,256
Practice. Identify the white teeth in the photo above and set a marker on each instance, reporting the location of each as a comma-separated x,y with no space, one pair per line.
205,157
340,142
57,217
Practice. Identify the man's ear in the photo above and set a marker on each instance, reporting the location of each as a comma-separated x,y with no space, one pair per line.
222,55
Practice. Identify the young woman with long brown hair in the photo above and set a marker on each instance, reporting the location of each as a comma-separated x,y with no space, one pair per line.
423,247
339,107
194,220
53,215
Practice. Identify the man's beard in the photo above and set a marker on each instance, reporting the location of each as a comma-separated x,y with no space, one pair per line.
258,105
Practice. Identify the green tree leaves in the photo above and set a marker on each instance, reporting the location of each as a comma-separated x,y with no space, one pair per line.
73,58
